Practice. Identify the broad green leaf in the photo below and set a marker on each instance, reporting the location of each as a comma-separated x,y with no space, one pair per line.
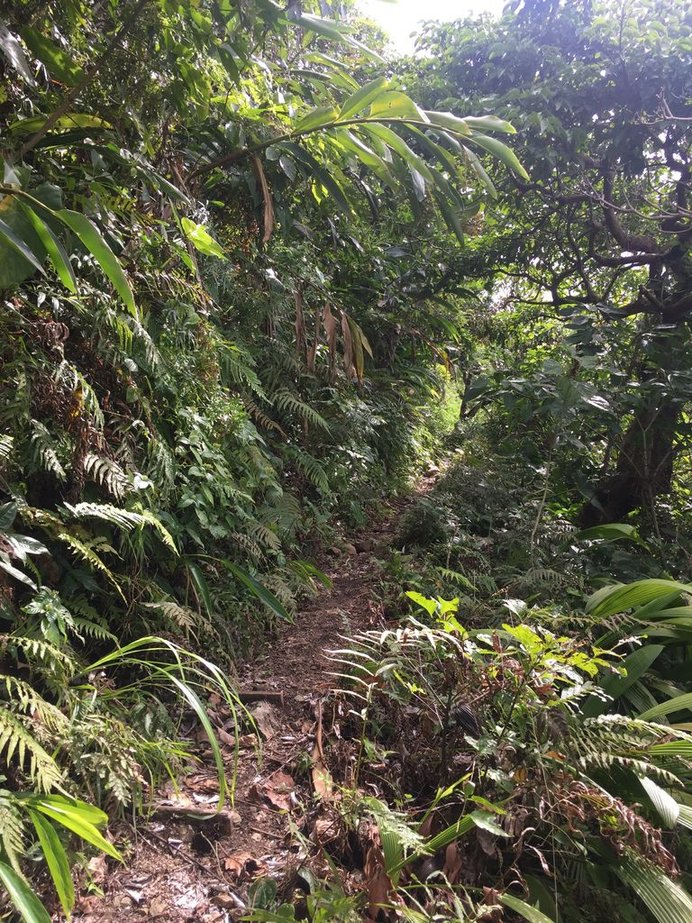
22,896
682,702
201,239
329,28
260,591
611,600
56,860
73,820
54,248
400,147
503,153
666,806
430,605
67,122
19,246
91,238
489,123
480,171
363,97
89,813
13,51
393,104
317,118
485,821
615,685
609,532
449,122
532,914
56,60
667,901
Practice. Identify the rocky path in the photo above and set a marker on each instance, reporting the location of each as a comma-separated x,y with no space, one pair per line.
183,865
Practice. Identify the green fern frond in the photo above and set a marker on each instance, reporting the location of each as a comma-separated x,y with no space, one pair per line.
309,466
43,449
149,518
6,443
85,552
287,402
249,545
108,474
73,379
17,743
238,365
265,535
24,697
181,616
261,418
106,512
11,829
162,466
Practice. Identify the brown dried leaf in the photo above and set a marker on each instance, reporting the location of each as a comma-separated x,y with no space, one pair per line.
268,222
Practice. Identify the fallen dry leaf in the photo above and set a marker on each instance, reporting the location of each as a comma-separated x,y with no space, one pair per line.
242,866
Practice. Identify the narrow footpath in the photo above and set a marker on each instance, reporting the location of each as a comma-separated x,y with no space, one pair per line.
188,863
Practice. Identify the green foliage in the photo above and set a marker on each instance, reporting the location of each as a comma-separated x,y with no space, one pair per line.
496,724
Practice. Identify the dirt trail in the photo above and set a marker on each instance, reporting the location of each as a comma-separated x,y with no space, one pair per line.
190,868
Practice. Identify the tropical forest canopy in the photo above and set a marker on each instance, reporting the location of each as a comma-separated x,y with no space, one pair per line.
256,276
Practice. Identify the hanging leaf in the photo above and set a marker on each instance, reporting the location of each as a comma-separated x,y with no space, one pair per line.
317,118
90,236
532,914
393,104
57,62
56,860
54,248
503,153
259,590
268,220
13,51
19,248
363,97
201,239
449,122
666,806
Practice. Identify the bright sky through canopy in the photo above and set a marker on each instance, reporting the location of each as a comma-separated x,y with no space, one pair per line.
399,19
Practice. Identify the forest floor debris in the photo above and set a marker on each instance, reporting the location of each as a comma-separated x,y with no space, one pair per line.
189,863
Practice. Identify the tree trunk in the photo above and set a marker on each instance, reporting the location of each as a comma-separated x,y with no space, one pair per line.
644,468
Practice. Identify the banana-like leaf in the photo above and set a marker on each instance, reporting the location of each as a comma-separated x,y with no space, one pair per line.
609,532
55,59
393,104
320,117
27,905
201,239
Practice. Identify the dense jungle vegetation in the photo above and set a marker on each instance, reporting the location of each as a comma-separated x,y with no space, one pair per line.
256,275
